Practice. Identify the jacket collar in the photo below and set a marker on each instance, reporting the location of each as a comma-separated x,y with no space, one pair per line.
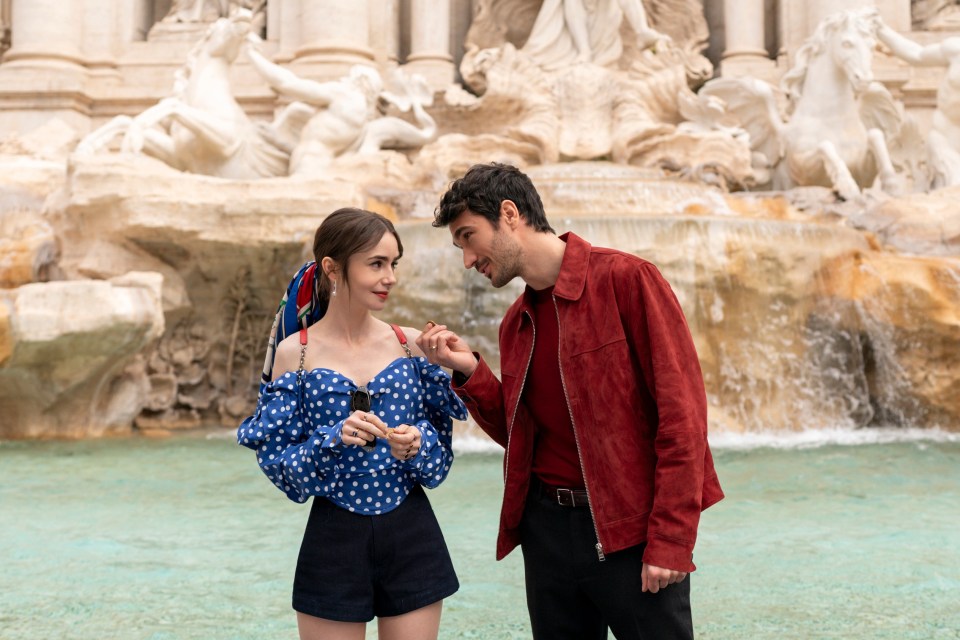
573,271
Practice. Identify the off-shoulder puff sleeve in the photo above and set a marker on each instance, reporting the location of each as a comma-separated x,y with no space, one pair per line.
301,462
435,416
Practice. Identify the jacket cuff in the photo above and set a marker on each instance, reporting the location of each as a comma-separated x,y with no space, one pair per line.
669,554
463,386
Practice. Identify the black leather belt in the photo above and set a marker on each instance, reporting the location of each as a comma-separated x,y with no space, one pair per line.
563,497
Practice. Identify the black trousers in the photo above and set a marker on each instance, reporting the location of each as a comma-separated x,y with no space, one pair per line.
571,594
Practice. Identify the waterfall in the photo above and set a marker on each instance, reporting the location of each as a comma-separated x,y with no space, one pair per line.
787,338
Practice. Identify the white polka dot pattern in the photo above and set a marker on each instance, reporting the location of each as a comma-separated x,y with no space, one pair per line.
298,441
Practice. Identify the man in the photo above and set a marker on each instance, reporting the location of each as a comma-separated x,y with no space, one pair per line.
601,410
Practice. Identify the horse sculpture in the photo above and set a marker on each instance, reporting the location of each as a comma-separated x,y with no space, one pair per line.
839,119
201,128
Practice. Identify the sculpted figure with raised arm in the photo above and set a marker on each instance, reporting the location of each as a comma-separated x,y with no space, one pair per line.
943,142
348,119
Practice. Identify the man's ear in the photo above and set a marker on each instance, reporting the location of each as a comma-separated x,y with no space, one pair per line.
509,214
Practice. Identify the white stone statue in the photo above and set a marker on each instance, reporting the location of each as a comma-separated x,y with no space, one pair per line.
205,10
347,118
582,79
201,128
934,15
186,19
943,142
839,120
571,31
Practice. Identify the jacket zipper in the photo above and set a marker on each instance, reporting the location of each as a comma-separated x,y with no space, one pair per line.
523,382
576,438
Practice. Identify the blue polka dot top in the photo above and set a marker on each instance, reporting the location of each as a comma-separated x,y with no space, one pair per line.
296,434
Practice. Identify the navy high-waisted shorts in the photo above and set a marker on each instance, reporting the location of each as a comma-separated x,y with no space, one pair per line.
354,567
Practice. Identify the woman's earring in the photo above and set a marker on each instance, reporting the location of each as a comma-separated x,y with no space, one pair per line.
334,292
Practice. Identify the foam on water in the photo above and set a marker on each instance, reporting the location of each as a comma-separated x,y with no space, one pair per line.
811,438
802,439
470,443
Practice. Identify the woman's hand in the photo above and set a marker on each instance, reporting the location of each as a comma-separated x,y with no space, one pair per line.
362,428
404,442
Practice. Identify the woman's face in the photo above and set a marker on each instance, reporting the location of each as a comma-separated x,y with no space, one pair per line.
373,273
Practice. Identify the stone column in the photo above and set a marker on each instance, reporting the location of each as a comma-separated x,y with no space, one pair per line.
274,20
46,33
100,39
334,36
895,13
44,62
744,28
430,42
288,30
385,30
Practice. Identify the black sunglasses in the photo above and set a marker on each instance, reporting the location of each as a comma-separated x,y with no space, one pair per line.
360,399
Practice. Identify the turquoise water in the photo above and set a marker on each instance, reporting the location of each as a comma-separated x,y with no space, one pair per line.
183,538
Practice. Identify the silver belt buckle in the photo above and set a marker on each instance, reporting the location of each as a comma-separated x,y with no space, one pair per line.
565,498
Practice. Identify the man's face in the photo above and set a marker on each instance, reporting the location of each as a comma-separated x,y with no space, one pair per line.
494,253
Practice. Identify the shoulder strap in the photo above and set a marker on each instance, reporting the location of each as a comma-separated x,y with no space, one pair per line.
402,338
303,347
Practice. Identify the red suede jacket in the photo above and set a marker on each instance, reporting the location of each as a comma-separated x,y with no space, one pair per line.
635,395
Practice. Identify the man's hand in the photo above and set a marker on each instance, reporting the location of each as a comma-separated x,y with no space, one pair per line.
653,578
445,348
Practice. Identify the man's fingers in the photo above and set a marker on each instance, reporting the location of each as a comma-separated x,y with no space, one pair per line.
437,339
430,340
653,579
445,340
428,334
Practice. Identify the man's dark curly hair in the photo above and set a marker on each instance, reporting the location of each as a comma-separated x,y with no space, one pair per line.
483,188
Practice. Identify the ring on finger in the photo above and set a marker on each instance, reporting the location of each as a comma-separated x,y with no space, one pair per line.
356,432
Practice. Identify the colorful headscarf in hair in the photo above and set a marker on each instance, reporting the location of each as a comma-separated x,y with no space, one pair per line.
291,318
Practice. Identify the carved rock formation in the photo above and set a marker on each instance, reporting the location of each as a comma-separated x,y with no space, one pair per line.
69,355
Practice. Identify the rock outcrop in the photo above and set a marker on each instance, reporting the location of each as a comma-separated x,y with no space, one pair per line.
69,355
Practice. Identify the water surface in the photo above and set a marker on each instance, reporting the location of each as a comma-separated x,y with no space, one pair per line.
185,539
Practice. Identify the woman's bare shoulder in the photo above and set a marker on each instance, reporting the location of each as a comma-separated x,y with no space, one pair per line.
287,357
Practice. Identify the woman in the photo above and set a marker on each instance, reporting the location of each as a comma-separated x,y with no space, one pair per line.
355,416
